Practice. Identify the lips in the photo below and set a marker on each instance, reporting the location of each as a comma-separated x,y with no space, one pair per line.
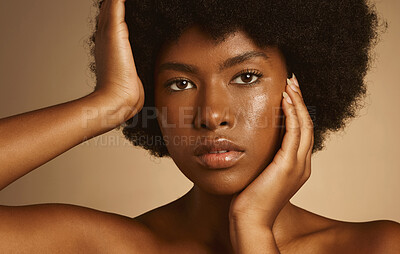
218,154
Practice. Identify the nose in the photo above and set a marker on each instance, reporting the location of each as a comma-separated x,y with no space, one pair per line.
214,108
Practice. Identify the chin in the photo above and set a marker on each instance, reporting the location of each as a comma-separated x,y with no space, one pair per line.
223,183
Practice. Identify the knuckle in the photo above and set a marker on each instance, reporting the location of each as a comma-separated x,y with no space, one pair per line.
282,162
293,111
293,122
306,121
279,159
285,163
296,132
296,141
309,123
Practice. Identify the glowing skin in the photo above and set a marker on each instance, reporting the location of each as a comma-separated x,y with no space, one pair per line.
240,102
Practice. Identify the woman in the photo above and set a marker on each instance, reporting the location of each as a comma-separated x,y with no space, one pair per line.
220,90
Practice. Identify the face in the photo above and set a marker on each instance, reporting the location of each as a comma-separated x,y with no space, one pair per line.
219,108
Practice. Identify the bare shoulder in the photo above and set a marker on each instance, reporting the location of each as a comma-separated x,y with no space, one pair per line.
381,236
350,237
54,228
319,234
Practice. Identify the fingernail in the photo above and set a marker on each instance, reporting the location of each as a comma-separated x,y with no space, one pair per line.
288,81
296,82
286,96
292,86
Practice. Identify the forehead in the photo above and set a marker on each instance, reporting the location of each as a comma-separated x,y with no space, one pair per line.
195,38
196,46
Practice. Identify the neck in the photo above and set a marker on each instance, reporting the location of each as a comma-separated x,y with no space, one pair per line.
208,215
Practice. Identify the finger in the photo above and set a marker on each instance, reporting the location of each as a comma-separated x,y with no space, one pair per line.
307,166
296,83
291,139
306,124
117,11
112,13
102,14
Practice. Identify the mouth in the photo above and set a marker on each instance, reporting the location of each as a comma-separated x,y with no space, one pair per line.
218,154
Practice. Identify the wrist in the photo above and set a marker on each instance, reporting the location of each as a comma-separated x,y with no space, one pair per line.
247,224
104,112
114,108
128,102
250,218
252,238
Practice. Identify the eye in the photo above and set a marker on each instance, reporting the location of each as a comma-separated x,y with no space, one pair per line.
180,84
247,77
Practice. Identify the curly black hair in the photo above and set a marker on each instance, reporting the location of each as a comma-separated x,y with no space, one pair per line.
326,43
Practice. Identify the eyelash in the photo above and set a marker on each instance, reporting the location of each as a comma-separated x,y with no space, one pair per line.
247,71
251,72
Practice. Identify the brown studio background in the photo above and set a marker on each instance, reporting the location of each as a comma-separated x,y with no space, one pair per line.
43,62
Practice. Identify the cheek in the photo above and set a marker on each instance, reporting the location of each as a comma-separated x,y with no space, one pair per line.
175,112
175,121
261,121
260,112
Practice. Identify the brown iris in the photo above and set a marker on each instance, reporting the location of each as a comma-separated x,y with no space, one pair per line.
182,84
246,78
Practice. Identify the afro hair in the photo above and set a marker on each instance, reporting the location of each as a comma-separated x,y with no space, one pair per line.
326,43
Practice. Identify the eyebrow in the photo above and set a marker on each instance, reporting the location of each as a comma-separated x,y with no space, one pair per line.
176,66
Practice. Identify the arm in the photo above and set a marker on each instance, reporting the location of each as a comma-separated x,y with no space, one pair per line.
31,139
63,228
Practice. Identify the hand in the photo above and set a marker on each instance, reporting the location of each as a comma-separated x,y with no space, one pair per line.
116,72
261,201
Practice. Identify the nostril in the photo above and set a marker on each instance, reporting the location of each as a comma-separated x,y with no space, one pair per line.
206,126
